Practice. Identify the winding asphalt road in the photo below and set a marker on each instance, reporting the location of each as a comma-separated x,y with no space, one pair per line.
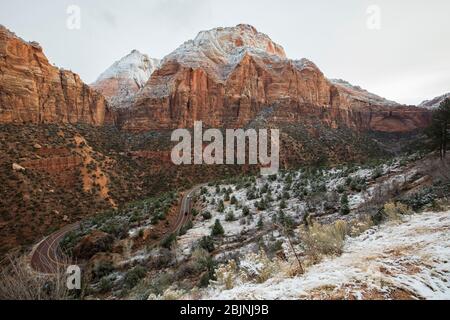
47,256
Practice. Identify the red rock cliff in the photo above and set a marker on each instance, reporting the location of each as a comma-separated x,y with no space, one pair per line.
228,76
32,90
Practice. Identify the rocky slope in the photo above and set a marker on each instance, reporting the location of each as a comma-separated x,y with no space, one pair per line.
34,91
125,78
228,76
434,103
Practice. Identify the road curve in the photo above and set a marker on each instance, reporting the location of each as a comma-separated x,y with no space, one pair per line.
186,208
47,256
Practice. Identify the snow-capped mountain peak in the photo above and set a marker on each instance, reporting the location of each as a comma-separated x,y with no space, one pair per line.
243,36
224,48
136,66
120,82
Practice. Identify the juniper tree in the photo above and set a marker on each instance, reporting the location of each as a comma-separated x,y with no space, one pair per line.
260,224
439,130
345,209
217,229
221,207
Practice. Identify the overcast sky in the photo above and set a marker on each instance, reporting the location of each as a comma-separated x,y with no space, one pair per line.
402,54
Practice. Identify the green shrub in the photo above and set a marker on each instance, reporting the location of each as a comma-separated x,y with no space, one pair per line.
105,285
378,172
133,277
102,270
207,243
260,224
261,205
169,241
420,199
206,215
217,229
265,189
188,226
251,195
204,280
230,217
345,209
286,221
221,207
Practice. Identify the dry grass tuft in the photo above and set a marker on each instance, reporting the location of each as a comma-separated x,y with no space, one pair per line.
396,211
227,275
319,240
19,282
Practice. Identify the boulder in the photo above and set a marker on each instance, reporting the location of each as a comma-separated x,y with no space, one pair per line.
17,167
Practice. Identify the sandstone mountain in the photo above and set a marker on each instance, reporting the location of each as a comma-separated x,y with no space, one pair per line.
434,103
125,78
34,91
229,76
359,96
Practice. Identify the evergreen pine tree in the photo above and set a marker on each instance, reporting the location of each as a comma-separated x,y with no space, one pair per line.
439,130
217,229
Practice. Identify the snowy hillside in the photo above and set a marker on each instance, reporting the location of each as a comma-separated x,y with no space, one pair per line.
376,231
409,260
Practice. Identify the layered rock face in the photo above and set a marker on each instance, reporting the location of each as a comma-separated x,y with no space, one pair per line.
33,91
125,78
229,76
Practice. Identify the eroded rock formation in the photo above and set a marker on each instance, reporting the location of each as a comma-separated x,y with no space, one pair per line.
34,91
229,76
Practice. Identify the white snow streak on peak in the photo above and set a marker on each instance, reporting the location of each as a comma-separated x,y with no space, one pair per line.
135,66
220,49
305,64
242,36
413,256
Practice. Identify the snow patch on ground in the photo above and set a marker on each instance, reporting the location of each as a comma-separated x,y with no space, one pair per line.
413,257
